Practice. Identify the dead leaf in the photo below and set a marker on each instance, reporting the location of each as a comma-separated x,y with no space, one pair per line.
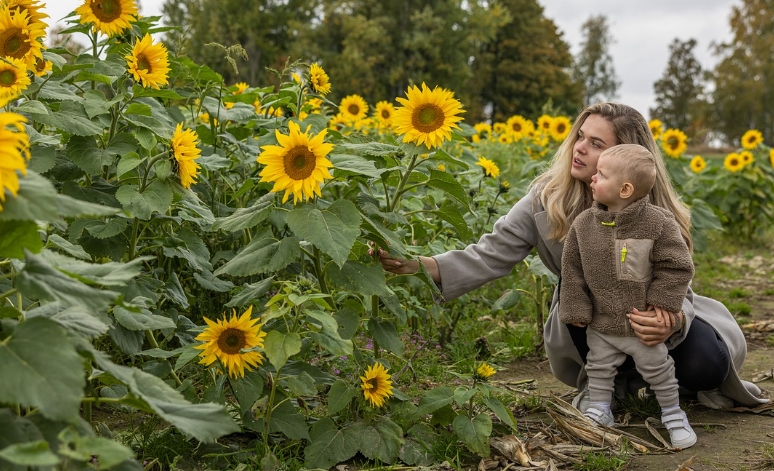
686,465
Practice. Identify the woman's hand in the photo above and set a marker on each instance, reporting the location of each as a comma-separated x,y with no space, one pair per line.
402,266
648,328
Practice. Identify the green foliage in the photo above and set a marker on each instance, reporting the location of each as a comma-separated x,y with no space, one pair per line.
593,66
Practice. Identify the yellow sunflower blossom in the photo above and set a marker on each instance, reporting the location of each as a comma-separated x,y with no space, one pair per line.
504,186
771,157
353,107
32,7
233,342
441,167
751,139
42,67
298,164
656,127
185,152
499,127
377,386
427,116
733,162
505,138
544,124
240,88
747,157
698,164
674,142
109,17
384,112
483,129
519,126
315,103
13,78
560,128
149,63
484,371
337,122
490,168
20,37
14,153
475,138
319,80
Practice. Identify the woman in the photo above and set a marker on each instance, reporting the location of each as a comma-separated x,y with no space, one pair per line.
706,343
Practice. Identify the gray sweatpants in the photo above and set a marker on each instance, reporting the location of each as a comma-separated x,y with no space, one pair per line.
607,352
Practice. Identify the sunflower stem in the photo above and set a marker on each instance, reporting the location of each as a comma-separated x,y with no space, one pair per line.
152,340
8,293
320,277
374,315
151,163
269,408
403,180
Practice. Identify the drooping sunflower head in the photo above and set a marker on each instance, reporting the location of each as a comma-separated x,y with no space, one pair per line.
316,104
519,126
233,342
504,187
14,152
483,129
560,128
427,116
656,127
298,164
698,164
240,88
110,17
149,63
544,123
751,139
733,162
384,113
377,386
747,157
484,371
319,80
490,168
185,152
674,142
353,107
13,77
42,67
20,37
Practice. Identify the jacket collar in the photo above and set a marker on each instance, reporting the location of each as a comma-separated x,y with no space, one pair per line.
627,215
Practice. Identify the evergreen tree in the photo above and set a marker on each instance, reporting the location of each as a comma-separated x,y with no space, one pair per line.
594,65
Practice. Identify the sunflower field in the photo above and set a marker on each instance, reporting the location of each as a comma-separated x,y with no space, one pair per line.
196,253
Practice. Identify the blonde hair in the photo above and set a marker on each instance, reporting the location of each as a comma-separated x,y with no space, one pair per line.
637,166
564,197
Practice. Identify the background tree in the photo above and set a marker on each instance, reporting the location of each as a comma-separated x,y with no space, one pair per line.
744,78
593,67
680,90
524,66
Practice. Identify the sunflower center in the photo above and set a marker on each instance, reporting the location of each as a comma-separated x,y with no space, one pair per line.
385,114
143,63
14,43
373,384
427,118
299,163
40,65
672,142
232,341
7,78
353,109
516,127
106,11
560,128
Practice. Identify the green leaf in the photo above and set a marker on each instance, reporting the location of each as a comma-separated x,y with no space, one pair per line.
250,293
328,336
41,369
84,153
72,207
248,389
128,163
291,424
506,301
339,397
349,322
279,347
332,230
344,164
68,247
262,255
502,412
43,158
474,433
451,214
245,218
108,274
382,441
139,108
462,394
328,445
386,334
140,91
18,236
57,92
434,400
386,238
35,453
301,384
449,185
355,277
95,103
71,118
74,319
141,321
36,200
32,106
156,197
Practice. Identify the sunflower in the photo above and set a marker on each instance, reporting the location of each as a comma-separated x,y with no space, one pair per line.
42,67
240,87
484,371
110,17
441,167
475,138
505,138
674,142
560,128
13,78
519,126
149,63
19,36
377,385
298,164
185,152
427,116
499,128
751,139
384,112
490,168
483,129
233,342
315,103
698,164
33,9
319,80
733,162
747,157
14,152
337,122
504,187
771,157
353,107
544,123
656,127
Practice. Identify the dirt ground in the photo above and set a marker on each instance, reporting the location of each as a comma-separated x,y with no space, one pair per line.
741,440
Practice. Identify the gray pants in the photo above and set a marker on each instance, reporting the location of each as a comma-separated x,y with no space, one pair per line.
607,352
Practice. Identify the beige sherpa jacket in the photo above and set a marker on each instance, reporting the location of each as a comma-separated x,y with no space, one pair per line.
613,262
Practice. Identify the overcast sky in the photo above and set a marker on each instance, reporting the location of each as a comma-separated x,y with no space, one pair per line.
642,32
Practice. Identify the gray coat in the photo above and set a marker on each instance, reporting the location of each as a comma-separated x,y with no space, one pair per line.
526,227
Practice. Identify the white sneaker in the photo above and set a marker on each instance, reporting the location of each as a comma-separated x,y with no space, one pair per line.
599,416
581,401
714,399
680,432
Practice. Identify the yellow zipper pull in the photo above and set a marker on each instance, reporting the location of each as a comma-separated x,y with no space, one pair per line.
623,253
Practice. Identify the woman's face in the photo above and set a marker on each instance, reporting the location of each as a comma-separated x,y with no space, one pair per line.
595,135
